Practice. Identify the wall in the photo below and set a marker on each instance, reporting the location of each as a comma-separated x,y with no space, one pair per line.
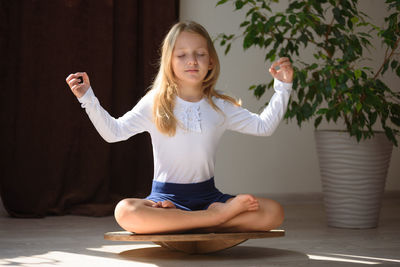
286,162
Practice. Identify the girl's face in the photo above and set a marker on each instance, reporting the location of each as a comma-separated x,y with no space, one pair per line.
190,59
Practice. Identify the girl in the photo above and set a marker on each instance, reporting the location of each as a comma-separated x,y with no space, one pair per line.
186,118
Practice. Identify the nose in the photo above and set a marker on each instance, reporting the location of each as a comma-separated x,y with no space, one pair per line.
192,60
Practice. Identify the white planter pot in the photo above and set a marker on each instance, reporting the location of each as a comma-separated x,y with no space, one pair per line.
353,177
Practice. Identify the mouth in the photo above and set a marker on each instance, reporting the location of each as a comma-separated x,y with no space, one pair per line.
194,70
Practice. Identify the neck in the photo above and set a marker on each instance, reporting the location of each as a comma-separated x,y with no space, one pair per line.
190,93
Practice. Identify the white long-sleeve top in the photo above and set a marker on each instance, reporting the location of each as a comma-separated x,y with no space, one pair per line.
189,155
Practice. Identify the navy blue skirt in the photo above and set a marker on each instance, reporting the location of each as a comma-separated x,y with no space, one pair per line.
190,197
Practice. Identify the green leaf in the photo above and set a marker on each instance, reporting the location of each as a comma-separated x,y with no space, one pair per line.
304,39
354,20
322,111
271,55
390,135
317,6
228,47
248,41
302,75
239,4
296,5
358,135
264,6
254,17
338,16
260,27
317,121
230,37
268,42
279,40
372,117
385,67
292,19
300,94
332,81
251,11
395,120
364,74
395,109
394,64
350,24
307,110
270,23
357,74
358,106
244,23
260,90
282,21
221,2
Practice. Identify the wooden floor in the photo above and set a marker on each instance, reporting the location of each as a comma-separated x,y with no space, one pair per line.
78,241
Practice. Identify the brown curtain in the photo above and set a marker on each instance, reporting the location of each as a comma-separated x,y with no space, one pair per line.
53,160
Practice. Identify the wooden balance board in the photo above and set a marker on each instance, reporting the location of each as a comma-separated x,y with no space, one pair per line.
194,243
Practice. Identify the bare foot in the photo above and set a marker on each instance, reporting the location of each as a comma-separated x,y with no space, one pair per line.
166,204
233,207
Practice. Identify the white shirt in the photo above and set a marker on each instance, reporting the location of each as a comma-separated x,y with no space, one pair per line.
189,156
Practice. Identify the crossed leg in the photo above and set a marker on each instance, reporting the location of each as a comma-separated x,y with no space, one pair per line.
268,216
242,213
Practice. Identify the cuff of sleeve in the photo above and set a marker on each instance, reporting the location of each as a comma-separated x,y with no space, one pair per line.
282,86
88,97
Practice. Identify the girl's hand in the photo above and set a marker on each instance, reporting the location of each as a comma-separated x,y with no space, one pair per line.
285,71
77,87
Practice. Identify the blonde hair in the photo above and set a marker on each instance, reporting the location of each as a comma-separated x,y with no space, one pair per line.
165,85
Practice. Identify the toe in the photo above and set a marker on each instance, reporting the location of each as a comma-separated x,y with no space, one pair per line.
168,204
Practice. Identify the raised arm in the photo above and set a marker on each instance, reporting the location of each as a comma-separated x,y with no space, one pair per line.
242,120
111,129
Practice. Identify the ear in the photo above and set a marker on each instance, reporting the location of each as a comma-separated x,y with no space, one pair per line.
211,64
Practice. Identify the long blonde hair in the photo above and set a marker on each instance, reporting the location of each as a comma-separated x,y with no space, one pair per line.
165,85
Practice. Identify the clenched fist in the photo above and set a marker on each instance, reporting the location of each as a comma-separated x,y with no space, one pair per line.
79,83
285,71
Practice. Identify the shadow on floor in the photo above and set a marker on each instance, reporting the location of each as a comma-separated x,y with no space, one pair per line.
248,256
164,257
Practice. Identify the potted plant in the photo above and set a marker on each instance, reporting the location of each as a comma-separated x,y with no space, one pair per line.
338,86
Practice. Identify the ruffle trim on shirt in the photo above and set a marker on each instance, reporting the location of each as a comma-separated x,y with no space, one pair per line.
189,117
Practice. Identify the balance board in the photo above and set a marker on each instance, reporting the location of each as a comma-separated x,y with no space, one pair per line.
194,243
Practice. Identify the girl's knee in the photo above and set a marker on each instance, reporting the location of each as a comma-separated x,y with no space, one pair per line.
279,214
122,207
125,212
273,214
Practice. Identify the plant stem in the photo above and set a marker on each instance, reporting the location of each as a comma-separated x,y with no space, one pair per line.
346,119
329,30
387,58
327,36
